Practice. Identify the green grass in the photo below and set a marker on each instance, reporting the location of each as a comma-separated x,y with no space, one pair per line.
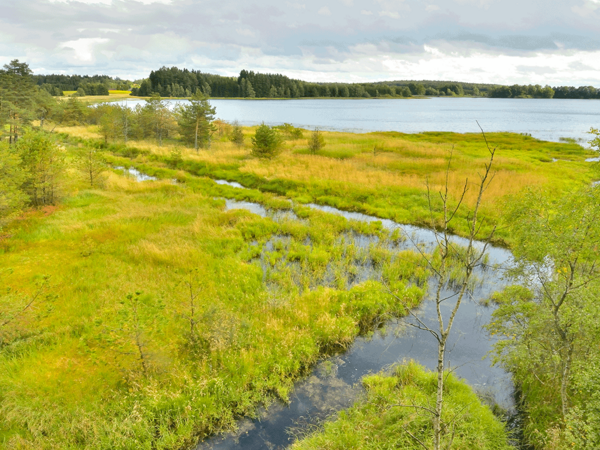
72,375
385,418
390,183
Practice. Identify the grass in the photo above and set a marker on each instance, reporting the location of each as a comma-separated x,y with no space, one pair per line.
385,418
392,182
112,96
272,298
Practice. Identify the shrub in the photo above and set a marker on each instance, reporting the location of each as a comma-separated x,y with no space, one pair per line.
316,141
266,143
290,131
237,134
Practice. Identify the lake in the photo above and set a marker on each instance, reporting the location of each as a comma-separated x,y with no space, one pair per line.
547,119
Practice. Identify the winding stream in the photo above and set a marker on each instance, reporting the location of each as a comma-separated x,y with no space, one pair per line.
335,382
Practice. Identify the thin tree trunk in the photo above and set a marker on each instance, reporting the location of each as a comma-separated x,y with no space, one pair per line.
196,140
439,402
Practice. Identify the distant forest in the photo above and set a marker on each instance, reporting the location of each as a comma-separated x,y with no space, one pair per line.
175,82
92,85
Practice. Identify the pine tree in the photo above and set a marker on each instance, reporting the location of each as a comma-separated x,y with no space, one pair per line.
266,143
195,119
12,176
44,163
91,165
17,98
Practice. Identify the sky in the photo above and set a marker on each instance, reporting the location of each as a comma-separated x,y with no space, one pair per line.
487,41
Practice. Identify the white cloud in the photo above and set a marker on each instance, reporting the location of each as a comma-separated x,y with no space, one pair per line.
390,14
324,11
83,48
432,8
364,12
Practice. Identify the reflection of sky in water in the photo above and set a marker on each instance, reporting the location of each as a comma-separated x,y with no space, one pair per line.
139,176
229,183
335,383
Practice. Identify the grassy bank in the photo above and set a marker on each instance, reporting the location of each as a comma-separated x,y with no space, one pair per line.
382,174
391,415
164,317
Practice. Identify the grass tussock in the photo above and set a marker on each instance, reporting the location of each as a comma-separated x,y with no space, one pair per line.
385,418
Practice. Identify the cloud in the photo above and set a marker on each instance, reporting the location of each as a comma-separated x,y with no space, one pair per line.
345,39
83,48
390,14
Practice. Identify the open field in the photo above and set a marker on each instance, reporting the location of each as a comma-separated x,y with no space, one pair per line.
112,97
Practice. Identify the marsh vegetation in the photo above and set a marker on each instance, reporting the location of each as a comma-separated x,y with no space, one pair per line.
147,314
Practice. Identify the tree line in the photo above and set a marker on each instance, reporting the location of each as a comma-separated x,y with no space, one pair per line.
537,91
92,85
175,82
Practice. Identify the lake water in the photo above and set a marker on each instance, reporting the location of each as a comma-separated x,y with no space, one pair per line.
547,119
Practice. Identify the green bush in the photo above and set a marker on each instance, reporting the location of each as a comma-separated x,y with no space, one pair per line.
266,143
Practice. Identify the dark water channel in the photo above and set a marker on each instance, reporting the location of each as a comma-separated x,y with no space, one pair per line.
334,383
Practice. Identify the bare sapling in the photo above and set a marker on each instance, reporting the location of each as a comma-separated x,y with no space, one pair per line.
452,266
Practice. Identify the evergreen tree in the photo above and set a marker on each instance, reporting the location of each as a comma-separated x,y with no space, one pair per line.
44,163
195,119
46,106
266,143
12,176
91,165
17,98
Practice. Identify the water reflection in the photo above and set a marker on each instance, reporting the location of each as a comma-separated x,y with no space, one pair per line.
335,383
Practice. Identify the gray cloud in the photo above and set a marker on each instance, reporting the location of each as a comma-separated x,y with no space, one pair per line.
129,38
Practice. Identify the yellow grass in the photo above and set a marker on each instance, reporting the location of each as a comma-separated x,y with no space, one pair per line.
399,163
